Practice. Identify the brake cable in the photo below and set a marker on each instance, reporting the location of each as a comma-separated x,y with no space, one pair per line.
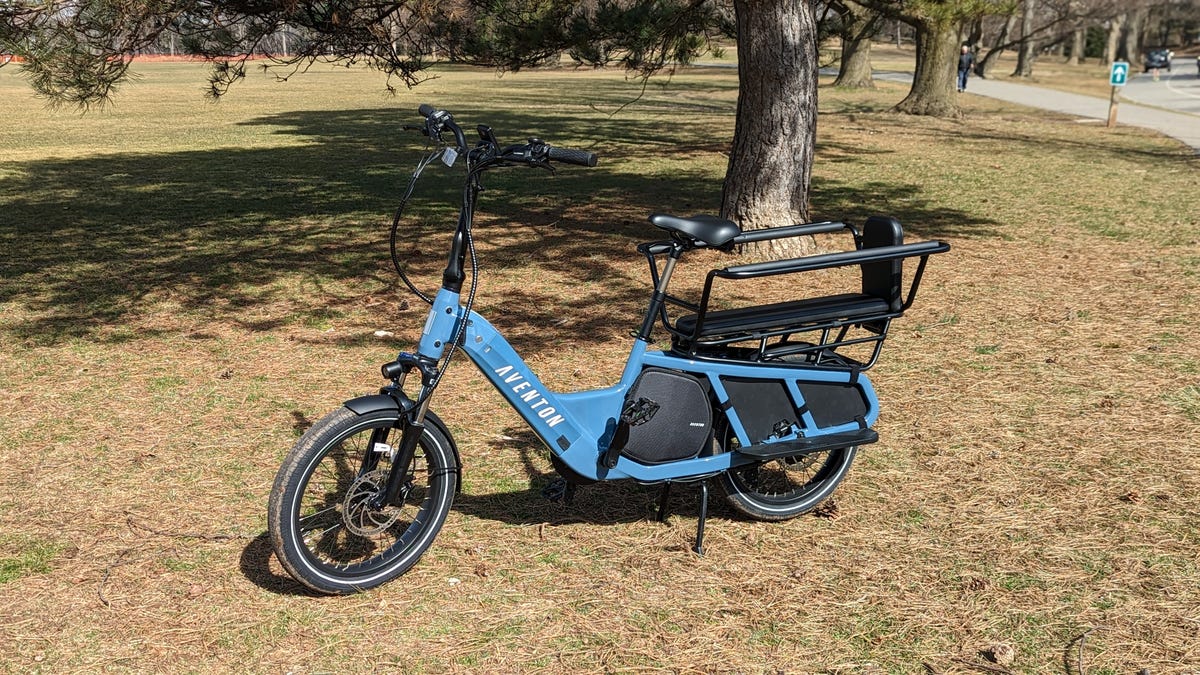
469,196
412,185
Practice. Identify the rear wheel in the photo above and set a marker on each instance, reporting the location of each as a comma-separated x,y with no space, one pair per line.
785,488
323,527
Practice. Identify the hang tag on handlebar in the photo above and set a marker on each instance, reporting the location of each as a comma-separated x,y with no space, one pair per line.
449,155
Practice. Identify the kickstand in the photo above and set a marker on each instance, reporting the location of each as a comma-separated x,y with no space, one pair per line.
699,548
663,498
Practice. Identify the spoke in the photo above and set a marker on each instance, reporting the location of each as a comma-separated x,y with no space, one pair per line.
310,516
345,545
335,526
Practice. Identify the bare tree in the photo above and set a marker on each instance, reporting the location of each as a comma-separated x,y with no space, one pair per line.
1028,47
858,25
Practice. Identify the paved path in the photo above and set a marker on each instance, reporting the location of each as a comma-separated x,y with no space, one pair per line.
1181,125
1178,90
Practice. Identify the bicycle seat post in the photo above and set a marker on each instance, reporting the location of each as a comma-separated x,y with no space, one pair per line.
660,292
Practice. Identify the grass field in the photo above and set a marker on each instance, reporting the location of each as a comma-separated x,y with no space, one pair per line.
185,287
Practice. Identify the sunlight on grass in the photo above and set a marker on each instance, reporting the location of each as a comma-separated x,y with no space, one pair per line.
31,556
186,287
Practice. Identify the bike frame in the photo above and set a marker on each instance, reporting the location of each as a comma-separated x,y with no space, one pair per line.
578,427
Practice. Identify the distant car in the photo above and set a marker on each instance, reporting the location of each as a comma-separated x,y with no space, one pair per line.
1158,58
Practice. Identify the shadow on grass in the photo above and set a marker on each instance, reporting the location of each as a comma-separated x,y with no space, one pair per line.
255,564
265,238
606,503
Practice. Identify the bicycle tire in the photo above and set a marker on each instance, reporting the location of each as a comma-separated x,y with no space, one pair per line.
782,489
321,528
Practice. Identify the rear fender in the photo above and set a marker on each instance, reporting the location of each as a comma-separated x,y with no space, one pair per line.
364,405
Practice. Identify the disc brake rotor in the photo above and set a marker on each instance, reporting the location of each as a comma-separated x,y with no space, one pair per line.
358,515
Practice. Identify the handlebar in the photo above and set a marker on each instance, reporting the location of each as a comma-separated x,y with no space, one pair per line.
535,152
437,120
569,156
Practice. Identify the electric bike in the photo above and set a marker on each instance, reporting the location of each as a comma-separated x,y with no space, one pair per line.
771,401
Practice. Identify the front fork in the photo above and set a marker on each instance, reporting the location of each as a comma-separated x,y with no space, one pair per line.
412,426
441,324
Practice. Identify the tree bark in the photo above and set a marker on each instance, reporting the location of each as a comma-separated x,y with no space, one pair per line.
1077,43
770,162
933,85
1132,44
975,35
1115,26
1028,50
984,67
854,72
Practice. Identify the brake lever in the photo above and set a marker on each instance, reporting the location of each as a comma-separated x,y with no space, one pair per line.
539,155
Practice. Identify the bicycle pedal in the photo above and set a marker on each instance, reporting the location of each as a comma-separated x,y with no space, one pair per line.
639,412
559,490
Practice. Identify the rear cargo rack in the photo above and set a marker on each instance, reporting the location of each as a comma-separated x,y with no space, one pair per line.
827,324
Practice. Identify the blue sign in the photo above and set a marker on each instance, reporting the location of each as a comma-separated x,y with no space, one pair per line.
1119,75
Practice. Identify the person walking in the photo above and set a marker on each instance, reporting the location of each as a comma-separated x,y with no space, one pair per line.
966,61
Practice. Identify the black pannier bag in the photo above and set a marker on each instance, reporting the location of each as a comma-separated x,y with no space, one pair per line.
767,410
667,417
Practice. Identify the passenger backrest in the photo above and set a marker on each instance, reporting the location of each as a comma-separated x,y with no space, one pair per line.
882,279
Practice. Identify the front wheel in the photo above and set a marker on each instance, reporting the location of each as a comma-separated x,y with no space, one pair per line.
322,525
785,488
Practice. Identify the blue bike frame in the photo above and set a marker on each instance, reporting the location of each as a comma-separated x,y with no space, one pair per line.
578,427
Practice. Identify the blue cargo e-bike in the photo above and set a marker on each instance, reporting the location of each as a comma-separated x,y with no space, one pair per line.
767,400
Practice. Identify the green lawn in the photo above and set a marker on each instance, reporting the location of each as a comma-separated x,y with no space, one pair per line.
186,286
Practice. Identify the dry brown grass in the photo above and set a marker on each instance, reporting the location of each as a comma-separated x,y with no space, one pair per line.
1037,480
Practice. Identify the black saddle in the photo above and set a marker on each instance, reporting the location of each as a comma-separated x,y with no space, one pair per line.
698,230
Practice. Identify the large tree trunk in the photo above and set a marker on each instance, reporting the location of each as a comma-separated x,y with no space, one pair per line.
770,163
1131,46
1077,44
855,69
983,67
933,85
1115,27
1028,50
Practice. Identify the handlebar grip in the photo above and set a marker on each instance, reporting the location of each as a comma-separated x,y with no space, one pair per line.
426,110
569,156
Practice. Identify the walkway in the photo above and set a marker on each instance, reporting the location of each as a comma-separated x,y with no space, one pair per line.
1182,126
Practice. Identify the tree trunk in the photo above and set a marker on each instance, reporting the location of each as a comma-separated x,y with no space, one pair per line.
770,163
854,72
1131,45
1077,39
1028,50
933,85
1115,27
984,67
975,35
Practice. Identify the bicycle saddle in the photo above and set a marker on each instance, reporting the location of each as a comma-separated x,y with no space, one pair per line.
702,230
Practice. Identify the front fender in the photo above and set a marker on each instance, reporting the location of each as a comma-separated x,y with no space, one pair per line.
379,402
385,403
